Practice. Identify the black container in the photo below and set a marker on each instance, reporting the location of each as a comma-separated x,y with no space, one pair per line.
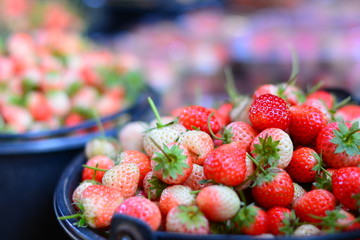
31,165
124,227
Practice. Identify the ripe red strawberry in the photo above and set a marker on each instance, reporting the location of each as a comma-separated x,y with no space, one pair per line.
349,113
346,186
153,186
320,105
251,220
197,175
339,144
172,164
99,204
226,164
269,111
99,161
187,219
131,135
273,146
239,132
198,143
275,189
173,196
73,119
301,165
218,203
277,216
139,158
101,146
316,203
327,98
306,230
196,117
124,177
143,209
305,124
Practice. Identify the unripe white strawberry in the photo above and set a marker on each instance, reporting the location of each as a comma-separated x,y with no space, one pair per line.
240,132
175,195
199,144
76,197
59,103
299,191
307,230
284,148
218,203
131,135
197,175
101,146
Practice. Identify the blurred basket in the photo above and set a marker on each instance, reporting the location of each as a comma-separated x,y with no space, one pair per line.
31,165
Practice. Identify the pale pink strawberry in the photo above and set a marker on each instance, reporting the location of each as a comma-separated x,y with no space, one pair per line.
172,163
17,118
198,143
99,204
197,175
86,97
265,89
218,203
250,168
240,132
306,230
108,104
124,177
59,103
131,135
175,195
143,209
76,196
101,146
139,158
282,150
153,186
187,219
7,68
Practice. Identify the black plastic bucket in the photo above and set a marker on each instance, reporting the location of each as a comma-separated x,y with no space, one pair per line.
124,227
31,165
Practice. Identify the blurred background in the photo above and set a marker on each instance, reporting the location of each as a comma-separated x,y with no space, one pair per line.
183,46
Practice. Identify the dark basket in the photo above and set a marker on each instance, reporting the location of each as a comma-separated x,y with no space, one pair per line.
124,227
31,165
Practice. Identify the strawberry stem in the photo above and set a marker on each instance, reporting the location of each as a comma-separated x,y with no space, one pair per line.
94,168
256,163
242,197
230,85
70,216
348,136
156,112
209,127
94,173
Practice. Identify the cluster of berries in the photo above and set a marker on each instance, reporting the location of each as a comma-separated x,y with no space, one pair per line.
45,85
279,162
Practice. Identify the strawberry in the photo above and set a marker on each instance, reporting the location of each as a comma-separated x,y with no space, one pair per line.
278,220
99,203
172,164
339,144
131,135
194,180
59,103
187,219
143,209
85,98
224,112
248,174
273,189
17,118
76,196
320,105
226,164
124,177
218,203
101,146
39,106
314,203
269,111
197,117
108,104
139,158
299,191
306,230
73,119
346,186
198,143
99,161
239,132
173,196
349,113
153,186
326,97
265,89
347,221
305,124
301,165
291,93
273,146
251,220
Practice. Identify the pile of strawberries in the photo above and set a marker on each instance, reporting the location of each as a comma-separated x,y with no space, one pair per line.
280,162
50,79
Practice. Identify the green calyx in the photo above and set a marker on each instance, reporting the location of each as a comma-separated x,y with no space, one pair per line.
80,216
191,216
159,123
244,217
347,139
329,223
267,151
290,223
323,177
157,185
170,160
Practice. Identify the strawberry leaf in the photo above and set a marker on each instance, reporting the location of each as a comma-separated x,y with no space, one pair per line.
267,151
347,139
244,217
329,223
290,222
323,181
158,185
191,216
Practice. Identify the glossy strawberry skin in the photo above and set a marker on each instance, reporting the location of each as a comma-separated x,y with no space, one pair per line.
197,116
315,202
301,164
226,164
138,158
269,111
306,123
346,183
278,192
275,217
327,149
